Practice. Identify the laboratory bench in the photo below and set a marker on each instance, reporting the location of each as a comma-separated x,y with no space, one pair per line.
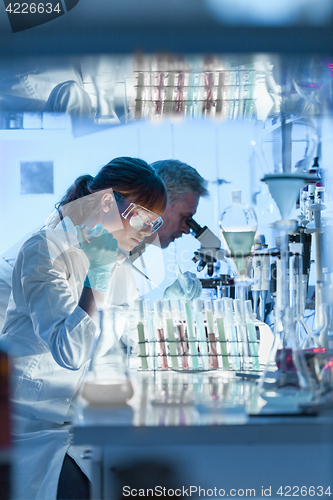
206,430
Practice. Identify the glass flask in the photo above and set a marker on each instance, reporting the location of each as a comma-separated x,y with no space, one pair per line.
287,378
107,382
238,226
318,344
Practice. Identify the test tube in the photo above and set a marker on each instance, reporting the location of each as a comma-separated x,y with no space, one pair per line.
141,334
249,97
231,329
219,98
171,334
151,333
201,334
211,335
265,283
169,93
190,334
181,333
158,314
189,100
138,100
252,335
222,333
242,332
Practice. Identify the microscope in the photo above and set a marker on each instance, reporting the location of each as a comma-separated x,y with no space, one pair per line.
208,254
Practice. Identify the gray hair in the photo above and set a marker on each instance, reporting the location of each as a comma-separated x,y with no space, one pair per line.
179,179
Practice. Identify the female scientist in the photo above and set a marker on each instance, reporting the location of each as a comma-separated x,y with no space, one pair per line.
60,273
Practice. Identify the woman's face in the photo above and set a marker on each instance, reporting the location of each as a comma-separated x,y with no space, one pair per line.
128,232
129,237
123,230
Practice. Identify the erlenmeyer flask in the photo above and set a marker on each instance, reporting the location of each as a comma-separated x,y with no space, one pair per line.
287,378
238,227
107,382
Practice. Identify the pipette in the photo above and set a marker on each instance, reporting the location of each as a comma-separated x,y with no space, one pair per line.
129,262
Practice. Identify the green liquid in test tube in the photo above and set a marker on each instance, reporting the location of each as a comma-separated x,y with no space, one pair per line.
201,333
230,327
138,100
221,331
252,335
141,334
191,337
171,334
169,93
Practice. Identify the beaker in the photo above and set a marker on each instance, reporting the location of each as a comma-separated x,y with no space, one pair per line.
107,381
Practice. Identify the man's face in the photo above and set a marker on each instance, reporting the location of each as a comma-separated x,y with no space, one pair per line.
175,217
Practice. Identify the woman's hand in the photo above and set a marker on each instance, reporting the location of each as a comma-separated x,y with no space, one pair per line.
102,251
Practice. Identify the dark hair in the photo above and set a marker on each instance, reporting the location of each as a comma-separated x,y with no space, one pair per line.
131,177
179,179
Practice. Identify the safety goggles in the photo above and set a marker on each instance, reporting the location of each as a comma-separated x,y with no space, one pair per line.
138,217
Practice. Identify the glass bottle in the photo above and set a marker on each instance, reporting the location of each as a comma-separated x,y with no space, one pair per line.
238,226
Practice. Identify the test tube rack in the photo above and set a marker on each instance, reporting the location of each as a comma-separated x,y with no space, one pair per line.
192,343
222,93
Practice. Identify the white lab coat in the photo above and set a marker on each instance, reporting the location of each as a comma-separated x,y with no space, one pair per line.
49,339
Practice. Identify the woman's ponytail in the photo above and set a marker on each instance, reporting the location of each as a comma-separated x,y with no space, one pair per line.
77,190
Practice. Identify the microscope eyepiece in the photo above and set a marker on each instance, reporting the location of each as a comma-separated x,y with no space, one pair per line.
195,227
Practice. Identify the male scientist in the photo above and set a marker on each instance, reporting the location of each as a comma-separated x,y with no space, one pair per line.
185,187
